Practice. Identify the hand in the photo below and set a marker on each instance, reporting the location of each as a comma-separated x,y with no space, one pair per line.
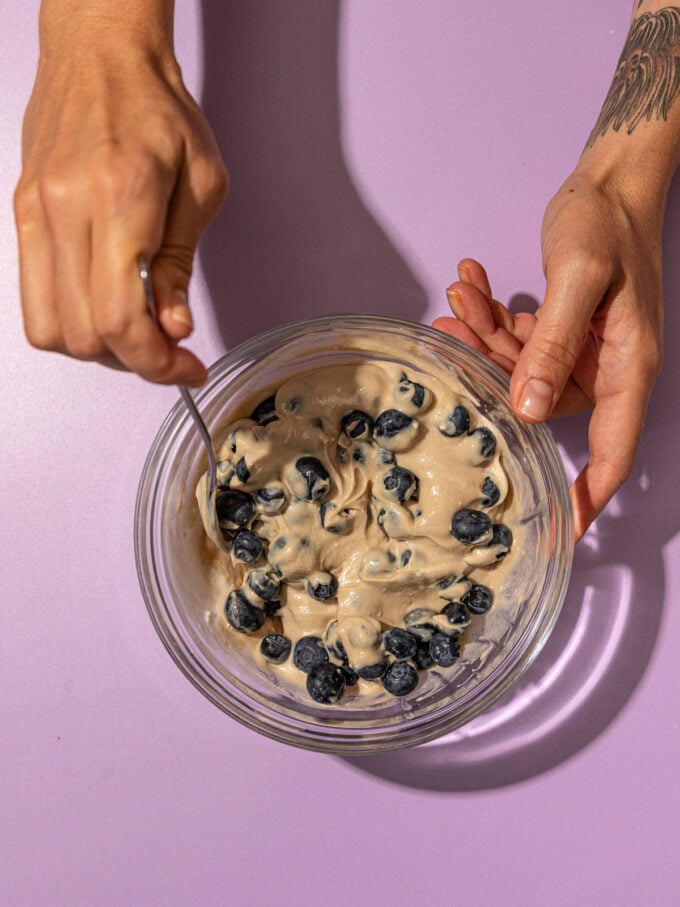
118,161
597,339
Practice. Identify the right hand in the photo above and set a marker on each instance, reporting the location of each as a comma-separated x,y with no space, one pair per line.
118,161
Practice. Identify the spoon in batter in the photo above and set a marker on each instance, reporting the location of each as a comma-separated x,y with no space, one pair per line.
211,521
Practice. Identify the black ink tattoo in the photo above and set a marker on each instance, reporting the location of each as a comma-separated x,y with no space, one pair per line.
647,78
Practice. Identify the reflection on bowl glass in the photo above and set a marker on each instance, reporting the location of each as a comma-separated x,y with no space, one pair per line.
179,590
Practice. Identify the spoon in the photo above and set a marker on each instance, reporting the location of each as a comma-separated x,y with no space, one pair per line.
209,513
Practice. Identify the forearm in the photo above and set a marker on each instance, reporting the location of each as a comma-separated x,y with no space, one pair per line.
80,22
635,143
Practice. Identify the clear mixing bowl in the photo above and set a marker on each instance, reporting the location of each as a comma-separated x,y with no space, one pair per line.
170,547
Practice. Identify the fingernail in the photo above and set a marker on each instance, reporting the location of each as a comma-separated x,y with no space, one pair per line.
455,302
463,273
536,399
179,311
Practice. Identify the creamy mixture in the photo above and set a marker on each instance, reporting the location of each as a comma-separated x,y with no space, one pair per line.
368,514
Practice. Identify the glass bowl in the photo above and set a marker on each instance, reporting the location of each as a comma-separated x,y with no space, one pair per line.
170,546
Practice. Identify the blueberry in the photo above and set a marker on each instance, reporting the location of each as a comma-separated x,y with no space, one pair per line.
351,676
272,607
458,423
275,647
372,672
333,643
390,422
469,526
401,483
418,397
241,614
271,499
405,557
225,473
309,652
422,659
400,643
457,614
452,580
479,599
316,477
359,456
326,683
412,392
334,520
400,678
357,424
242,471
444,649
453,587
247,547
235,508
263,584
502,537
490,492
487,442
322,586
420,623
264,411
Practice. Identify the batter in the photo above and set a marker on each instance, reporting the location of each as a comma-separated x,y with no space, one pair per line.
368,511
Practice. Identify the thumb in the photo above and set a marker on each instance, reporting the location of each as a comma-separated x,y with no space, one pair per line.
171,273
198,195
548,358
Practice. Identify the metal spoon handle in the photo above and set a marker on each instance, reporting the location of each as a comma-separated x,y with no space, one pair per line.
145,274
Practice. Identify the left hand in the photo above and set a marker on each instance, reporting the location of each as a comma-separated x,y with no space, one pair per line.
597,339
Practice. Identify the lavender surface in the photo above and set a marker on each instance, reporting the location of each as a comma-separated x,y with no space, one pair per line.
439,130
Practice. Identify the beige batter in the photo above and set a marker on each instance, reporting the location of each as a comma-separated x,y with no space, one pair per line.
388,557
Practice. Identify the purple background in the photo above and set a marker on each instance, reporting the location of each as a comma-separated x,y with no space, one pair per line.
371,143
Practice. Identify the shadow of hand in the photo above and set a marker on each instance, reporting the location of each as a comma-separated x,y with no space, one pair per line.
295,239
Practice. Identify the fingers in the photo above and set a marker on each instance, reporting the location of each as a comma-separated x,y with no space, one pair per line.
36,270
614,432
544,366
198,196
165,222
112,173
475,309
458,329
490,328
471,272
133,194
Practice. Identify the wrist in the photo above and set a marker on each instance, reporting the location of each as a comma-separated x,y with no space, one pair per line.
636,170
104,24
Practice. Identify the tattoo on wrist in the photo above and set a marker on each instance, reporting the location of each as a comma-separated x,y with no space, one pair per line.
647,78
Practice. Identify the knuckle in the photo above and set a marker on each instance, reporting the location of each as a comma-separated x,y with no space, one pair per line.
43,336
26,204
651,360
179,257
58,189
212,181
554,354
83,344
120,175
579,266
616,468
157,369
111,325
